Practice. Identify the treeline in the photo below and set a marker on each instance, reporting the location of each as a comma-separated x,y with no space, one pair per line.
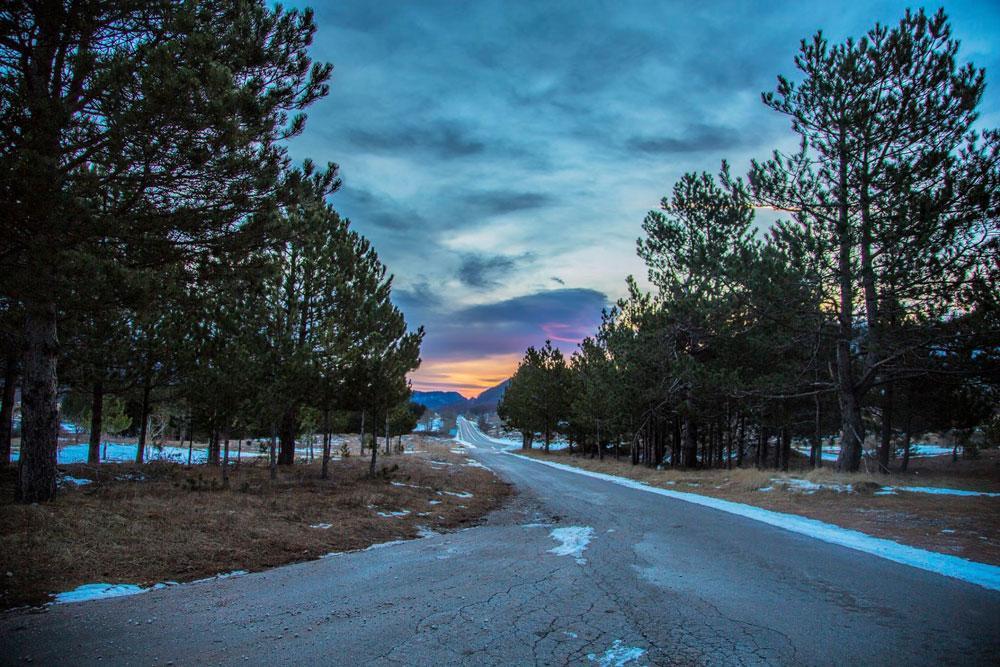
161,252
869,309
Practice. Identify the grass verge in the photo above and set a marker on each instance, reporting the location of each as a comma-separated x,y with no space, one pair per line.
167,522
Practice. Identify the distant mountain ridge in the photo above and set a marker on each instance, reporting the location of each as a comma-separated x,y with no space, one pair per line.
451,401
433,400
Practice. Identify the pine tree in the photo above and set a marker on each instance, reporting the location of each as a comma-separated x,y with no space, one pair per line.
138,133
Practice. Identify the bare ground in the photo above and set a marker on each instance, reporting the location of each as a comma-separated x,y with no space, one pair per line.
968,527
166,522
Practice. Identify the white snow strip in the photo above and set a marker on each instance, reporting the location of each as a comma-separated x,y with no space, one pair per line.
458,494
412,486
941,491
221,575
96,592
75,481
473,463
981,574
322,526
574,540
392,514
433,502
618,655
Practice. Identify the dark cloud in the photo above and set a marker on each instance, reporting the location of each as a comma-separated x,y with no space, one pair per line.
565,316
447,140
419,298
557,279
367,209
482,271
694,139
499,202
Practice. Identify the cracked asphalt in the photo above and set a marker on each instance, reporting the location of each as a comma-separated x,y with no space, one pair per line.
683,584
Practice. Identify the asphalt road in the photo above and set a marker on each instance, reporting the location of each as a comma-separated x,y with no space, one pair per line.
660,582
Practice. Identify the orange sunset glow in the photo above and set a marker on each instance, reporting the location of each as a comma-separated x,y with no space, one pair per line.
468,377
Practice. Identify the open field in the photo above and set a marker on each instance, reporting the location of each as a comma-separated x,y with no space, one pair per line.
166,522
965,526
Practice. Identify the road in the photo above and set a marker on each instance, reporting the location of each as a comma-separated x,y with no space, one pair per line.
660,582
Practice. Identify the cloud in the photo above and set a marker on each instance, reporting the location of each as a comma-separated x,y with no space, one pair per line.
444,139
500,202
697,138
482,271
557,279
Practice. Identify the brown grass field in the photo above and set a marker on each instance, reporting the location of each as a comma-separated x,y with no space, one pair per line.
968,527
179,523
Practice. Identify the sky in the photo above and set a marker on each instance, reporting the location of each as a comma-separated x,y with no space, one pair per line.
501,156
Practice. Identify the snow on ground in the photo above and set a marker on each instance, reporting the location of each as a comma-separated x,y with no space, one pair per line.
125,453
392,513
574,539
936,490
74,481
322,526
458,494
981,574
918,450
805,486
618,655
96,592
473,463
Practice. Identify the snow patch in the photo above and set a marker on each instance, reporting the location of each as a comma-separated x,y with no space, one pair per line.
618,655
97,591
574,540
458,494
75,481
941,491
322,526
981,574
394,513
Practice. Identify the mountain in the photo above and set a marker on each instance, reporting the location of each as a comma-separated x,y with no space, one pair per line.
433,400
453,402
490,397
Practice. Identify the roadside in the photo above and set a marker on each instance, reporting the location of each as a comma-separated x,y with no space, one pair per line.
932,518
163,522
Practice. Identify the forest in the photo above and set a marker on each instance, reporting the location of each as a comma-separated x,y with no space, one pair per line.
163,256
866,316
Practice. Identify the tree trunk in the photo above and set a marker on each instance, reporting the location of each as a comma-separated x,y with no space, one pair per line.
36,479
140,449
7,405
326,445
239,451
96,423
786,448
388,441
886,436
190,438
816,451
371,466
286,457
274,452
362,431
690,443
906,450
225,461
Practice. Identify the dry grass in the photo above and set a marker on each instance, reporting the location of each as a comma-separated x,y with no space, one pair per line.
180,523
963,526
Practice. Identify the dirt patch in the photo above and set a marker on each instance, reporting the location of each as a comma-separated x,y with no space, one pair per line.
167,522
968,527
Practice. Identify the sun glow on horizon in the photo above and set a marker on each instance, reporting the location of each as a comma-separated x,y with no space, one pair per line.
469,377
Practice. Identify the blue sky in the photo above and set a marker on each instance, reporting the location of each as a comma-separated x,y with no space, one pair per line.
502,155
